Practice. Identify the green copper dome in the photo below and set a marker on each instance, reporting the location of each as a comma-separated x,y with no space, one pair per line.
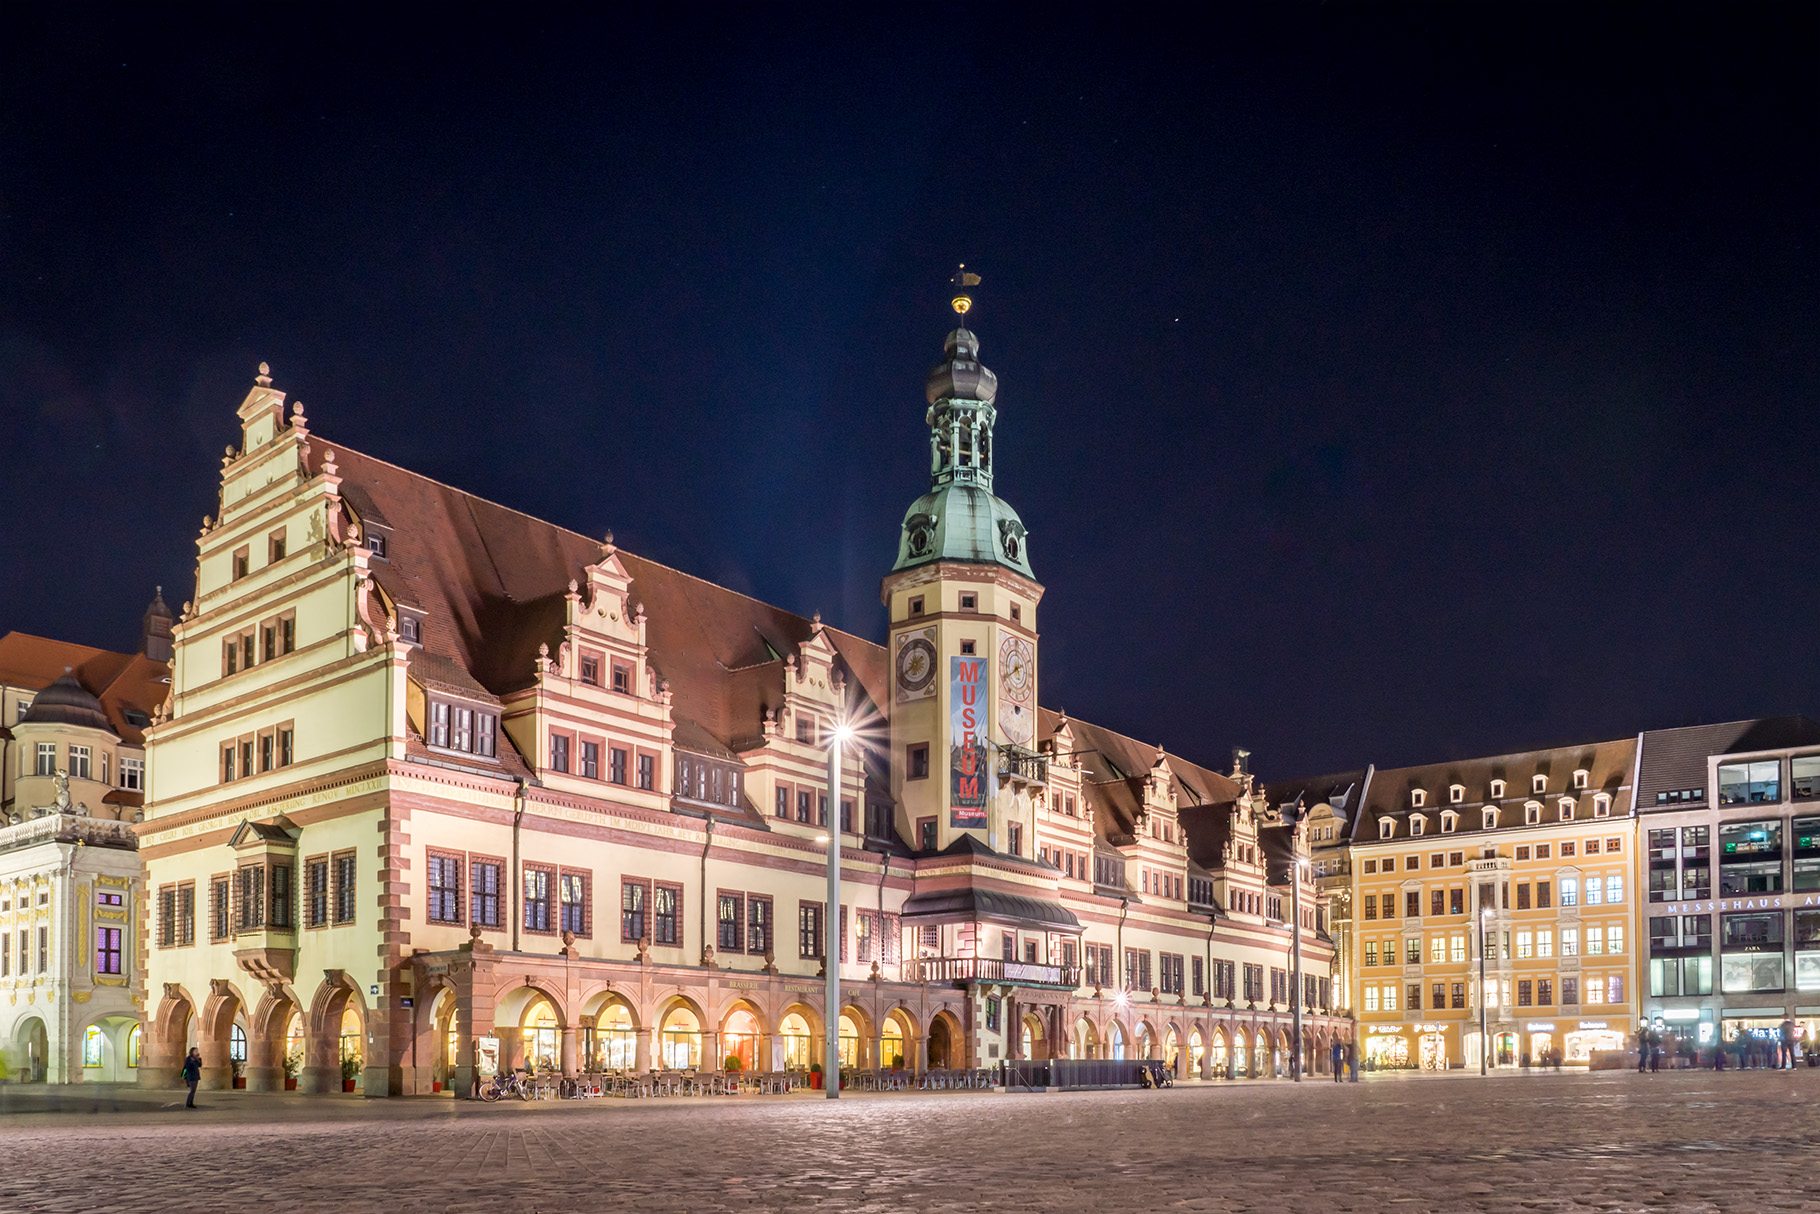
960,518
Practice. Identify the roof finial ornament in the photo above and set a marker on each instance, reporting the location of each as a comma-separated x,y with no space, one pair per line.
963,282
607,547
816,619
264,378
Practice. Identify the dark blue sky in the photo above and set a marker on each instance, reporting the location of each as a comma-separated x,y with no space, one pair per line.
1377,384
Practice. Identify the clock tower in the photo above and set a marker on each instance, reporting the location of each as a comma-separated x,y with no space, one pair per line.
962,601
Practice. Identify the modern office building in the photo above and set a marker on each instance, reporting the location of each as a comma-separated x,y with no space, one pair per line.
1730,863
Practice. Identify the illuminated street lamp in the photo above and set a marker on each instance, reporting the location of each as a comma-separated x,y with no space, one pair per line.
1484,1041
831,919
1295,969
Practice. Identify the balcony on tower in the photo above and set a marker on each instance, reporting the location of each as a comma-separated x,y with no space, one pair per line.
978,918
1018,764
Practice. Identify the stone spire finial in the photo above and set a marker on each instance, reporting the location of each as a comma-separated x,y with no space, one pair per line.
264,378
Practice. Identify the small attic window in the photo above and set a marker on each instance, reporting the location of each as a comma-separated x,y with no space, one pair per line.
916,604
1538,783
1387,827
1497,789
970,601
1017,614
1450,821
1456,793
1532,814
410,629
1567,809
1488,820
134,716
1418,824
1601,806
376,544
1580,778
1416,798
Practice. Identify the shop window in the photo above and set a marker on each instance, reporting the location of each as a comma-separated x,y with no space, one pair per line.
1756,783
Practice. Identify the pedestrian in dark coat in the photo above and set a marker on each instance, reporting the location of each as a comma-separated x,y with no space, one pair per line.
192,1075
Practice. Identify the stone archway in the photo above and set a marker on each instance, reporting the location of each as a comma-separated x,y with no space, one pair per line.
335,1039
744,1036
32,1046
221,1015
168,1039
947,1043
1085,1041
269,1040
798,1040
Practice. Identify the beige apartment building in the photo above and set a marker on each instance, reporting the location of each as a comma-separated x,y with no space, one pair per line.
441,786
1497,891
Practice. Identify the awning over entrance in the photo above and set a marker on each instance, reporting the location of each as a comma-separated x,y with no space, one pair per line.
984,905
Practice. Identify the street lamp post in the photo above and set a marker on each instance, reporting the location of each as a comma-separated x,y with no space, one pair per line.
831,922
1295,969
1484,1040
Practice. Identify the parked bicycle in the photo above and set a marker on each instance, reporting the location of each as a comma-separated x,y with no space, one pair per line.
504,1084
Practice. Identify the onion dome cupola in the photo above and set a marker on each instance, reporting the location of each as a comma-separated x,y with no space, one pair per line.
67,702
960,518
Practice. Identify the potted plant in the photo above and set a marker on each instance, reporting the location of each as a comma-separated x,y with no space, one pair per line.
815,1076
292,1064
733,1065
350,1071
897,1062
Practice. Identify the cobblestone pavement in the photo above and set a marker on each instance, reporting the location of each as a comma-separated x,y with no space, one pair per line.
1614,1141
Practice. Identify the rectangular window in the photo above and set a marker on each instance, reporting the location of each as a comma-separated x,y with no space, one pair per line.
344,887
917,762
616,764
1198,971
647,771
666,914
590,669
809,929
1757,783
590,760
132,774
47,759
316,891
483,893
445,888
634,909
1412,904
79,763
575,914
1570,889
536,899
220,897
252,898
730,922
758,925
439,723
1545,942
1526,993
1523,895
1371,906
1570,942
559,752
622,677
279,911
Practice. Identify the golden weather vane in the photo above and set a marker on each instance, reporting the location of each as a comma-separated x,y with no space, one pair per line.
963,280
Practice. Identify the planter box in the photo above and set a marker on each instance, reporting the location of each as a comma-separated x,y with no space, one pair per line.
435,1085
347,1085
239,1082
815,1081
290,1083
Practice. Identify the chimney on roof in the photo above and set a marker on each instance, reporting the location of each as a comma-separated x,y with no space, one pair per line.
156,625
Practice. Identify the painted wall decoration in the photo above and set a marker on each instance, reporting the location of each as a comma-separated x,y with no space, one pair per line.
968,691
916,665
1017,690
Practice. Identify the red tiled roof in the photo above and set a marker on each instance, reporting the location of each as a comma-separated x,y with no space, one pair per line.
119,680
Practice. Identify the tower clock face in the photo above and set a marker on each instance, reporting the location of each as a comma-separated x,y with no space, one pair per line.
1017,689
915,666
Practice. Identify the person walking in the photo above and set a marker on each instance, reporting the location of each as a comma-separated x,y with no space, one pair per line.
1642,1049
1788,1045
192,1074
1339,1062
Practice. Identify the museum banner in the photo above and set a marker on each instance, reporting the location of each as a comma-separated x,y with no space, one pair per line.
967,695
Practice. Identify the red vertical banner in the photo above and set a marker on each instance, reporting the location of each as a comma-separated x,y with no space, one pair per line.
968,693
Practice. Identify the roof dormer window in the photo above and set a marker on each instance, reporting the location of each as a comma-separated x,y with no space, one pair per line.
1532,814
1497,789
1538,783
1416,798
1580,778
1567,809
1456,793
1387,828
1418,824
1488,819
1601,806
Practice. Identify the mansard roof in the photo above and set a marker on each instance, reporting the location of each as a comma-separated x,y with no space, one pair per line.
1609,767
130,686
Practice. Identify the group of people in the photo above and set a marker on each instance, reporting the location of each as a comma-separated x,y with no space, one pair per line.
1748,1050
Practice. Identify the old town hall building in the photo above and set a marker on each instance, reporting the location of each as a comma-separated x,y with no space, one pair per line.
440,785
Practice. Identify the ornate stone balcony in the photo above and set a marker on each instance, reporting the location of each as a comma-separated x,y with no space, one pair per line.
961,971
69,828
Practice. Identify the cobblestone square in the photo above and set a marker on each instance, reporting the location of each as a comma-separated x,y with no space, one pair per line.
1689,1141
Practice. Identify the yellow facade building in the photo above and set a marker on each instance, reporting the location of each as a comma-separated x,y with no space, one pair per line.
439,784
1499,891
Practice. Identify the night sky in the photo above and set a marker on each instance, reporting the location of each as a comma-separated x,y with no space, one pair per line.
1377,385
